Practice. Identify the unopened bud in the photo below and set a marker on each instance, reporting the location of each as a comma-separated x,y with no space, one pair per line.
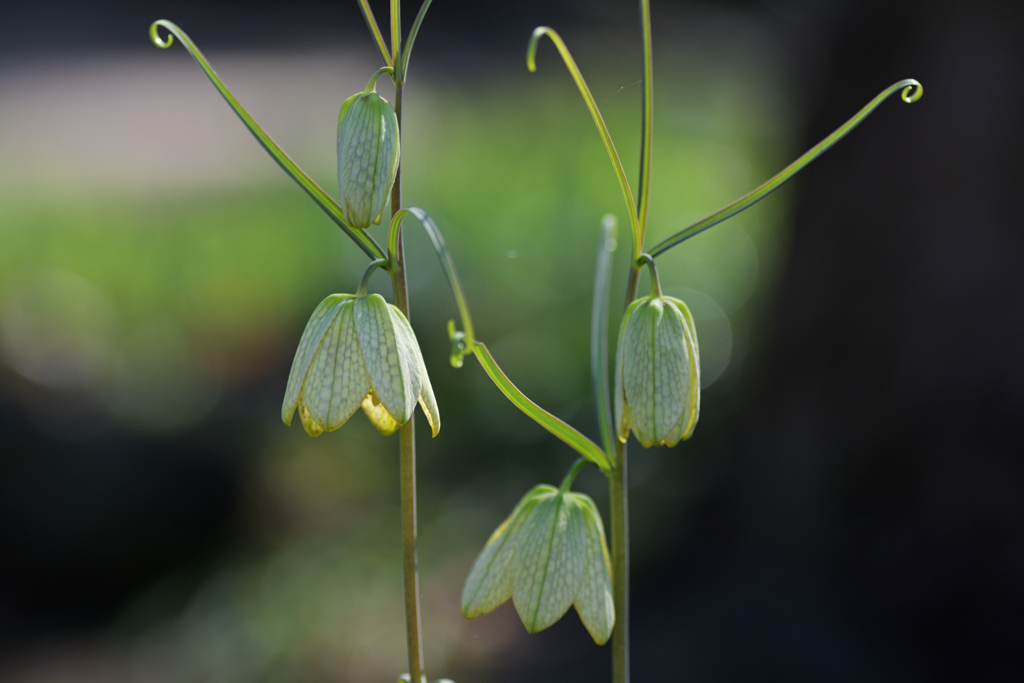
368,153
657,372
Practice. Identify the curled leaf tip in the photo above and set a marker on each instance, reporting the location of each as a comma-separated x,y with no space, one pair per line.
912,85
154,34
458,340
531,49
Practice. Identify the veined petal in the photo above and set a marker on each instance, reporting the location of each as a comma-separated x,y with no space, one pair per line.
547,564
692,413
638,370
337,381
322,317
391,367
671,371
409,346
489,583
594,601
622,419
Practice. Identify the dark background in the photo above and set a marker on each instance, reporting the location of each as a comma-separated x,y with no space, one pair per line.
859,506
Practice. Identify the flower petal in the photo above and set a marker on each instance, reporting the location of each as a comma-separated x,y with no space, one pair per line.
489,583
594,601
405,338
336,382
692,413
622,419
548,562
391,367
322,317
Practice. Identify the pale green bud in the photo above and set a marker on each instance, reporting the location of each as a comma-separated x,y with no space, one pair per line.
657,372
358,351
549,555
368,153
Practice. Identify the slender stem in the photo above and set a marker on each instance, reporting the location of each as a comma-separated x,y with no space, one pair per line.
617,489
751,198
413,32
648,260
647,119
618,493
322,199
407,447
365,282
595,113
571,475
378,39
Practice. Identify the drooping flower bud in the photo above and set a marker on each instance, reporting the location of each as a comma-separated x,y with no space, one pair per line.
358,351
368,153
549,555
657,372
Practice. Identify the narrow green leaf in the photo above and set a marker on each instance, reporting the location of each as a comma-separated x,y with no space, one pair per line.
411,38
489,583
548,562
581,444
595,113
774,183
599,331
378,39
322,199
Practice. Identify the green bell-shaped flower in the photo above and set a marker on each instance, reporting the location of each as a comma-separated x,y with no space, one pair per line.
549,555
358,351
368,153
657,371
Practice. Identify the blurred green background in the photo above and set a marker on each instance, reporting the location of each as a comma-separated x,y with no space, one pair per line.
159,523
157,271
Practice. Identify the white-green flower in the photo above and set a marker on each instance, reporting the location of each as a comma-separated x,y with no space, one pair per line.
358,351
368,153
657,372
550,554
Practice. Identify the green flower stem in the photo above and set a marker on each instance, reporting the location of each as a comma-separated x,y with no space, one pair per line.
599,332
378,39
647,260
619,499
371,85
618,495
595,113
647,118
413,32
365,282
322,199
571,476
773,184
406,441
